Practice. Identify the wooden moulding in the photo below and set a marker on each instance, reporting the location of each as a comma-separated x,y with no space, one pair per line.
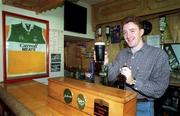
120,102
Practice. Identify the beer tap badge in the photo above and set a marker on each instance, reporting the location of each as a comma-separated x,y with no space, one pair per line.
67,96
81,101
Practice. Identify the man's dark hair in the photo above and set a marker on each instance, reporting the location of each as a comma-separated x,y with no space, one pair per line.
133,19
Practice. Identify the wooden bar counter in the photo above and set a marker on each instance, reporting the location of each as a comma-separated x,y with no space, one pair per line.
29,95
116,102
43,100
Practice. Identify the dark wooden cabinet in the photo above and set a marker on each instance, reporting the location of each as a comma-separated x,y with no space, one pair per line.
168,104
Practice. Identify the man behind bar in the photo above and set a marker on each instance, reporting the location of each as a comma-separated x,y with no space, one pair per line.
147,68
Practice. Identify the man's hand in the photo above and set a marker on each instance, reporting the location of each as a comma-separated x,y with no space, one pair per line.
106,59
126,71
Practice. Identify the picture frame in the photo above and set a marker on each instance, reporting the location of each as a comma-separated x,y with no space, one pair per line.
25,44
55,62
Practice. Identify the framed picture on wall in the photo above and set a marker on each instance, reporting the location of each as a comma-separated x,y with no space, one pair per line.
26,44
55,62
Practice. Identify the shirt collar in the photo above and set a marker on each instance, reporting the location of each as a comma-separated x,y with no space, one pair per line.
143,49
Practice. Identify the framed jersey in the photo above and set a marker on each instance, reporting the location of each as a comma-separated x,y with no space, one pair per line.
26,44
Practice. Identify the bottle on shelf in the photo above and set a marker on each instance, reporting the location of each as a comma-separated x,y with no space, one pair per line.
165,31
99,37
162,27
107,35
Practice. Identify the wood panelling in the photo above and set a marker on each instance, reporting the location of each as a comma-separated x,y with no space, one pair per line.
155,6
115,10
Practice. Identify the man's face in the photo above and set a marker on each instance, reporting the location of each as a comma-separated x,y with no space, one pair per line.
132,34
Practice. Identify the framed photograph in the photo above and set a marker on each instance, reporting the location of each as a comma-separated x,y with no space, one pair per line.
26,44
55,62
55,57
55,67
115,34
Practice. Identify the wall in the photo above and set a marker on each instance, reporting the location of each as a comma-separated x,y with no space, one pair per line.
55,18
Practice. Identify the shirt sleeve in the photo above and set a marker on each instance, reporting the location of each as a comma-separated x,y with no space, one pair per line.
113,68
157,83
113,71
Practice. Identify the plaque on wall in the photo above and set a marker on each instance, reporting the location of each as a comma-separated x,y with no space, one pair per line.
101,107
67,96
81,101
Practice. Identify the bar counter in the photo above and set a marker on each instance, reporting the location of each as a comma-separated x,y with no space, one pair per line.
31,95
37,99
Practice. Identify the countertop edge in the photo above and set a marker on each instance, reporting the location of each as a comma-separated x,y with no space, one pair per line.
18,108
